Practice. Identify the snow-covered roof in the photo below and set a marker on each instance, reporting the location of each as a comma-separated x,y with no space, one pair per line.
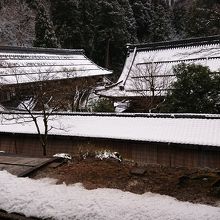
24,65
150,65
181,129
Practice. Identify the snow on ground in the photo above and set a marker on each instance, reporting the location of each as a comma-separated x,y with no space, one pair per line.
43,198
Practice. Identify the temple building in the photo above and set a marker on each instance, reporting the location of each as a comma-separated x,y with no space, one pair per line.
148,75
66,72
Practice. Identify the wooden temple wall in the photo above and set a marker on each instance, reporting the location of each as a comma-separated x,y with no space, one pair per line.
173,155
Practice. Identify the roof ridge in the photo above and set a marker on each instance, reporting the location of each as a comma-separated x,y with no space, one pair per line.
113,114
18,49
176,43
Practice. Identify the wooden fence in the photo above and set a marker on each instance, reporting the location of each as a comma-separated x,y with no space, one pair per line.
141,152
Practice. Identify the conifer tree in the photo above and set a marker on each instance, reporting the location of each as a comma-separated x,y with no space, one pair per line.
88,25
203,18
179,20
116,26
154,20
66,19
45,34
161,24
141,12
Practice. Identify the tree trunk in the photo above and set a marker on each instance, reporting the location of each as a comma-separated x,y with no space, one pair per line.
44,149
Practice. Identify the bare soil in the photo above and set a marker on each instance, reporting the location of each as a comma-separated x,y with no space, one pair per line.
194,185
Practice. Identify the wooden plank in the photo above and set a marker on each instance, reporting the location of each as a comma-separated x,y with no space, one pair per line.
23,166
16,164
33,169
22,160
13,169
55,164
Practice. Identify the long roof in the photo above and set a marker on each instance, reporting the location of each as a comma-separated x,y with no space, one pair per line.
163,128
25,65
151,64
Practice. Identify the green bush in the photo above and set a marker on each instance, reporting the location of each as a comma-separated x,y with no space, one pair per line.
103,105
196,90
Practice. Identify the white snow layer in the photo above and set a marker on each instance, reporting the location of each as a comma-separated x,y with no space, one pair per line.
160,62
168,130
43,198
25,68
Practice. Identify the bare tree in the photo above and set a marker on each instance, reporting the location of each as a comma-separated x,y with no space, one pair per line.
40,95
38,99
17,24
77,92
151,80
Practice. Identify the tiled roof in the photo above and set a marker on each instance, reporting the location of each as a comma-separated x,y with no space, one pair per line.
151,64
24,65
181,129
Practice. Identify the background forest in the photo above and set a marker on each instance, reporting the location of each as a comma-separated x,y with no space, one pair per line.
104,27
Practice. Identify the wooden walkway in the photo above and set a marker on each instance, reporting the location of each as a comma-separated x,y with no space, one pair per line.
22,166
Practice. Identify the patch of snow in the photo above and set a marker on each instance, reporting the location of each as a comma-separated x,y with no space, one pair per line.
27,104
2,108
45,199
63,155
108,154
121,106
92,99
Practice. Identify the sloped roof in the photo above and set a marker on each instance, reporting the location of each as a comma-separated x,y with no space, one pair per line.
151,64
165,128
24,65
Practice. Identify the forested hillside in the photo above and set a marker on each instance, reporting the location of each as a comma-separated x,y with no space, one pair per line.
103,27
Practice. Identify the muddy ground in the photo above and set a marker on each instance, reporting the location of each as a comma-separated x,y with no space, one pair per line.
194,185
